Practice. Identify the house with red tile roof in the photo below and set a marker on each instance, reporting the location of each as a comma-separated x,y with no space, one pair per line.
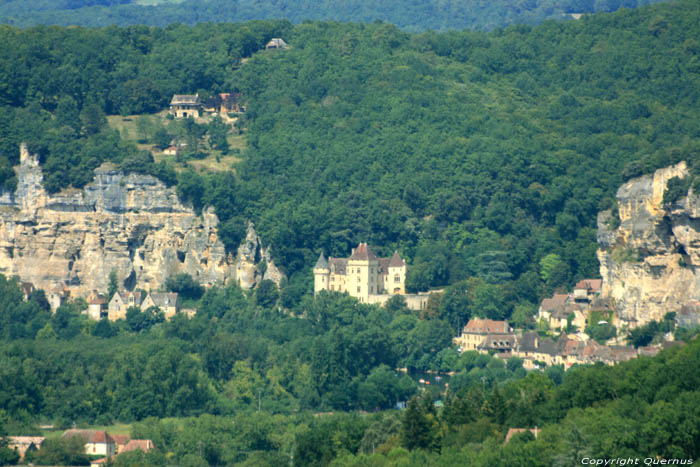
97,442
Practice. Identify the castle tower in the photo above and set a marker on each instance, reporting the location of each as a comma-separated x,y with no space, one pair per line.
396,275
362,273
322,274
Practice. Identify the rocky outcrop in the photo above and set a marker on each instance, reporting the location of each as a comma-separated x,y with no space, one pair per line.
131,224
650,256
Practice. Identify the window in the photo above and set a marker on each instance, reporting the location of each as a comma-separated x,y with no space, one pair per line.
358,289
397,278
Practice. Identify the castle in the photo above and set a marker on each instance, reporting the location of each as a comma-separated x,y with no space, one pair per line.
366,277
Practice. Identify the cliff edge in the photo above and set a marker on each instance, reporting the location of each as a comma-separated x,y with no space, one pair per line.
650,256
131,224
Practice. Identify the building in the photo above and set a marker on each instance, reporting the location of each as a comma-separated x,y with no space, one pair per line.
361,275
168,303
58,295
96,442
97,307
185,105
367,277
224,103
144,445
587,289
121,302
486,334
276,43
23,444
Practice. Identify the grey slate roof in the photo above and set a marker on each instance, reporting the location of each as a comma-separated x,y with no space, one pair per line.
321,263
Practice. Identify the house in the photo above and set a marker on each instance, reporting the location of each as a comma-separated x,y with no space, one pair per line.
514,431
478,331
551,305
23,444
172,150
167,302
97,442
276,43
501,343
97,307
144,445
585,290
185,105
27,289
121,302
58,295
224,103
121,441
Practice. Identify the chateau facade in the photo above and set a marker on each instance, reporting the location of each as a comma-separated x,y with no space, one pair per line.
363,275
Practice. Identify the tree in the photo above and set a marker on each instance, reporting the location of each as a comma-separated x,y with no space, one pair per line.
266,294
184,285
93,118
418,425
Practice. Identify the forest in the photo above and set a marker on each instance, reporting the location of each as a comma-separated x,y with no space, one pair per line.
242,383
411,15
482,157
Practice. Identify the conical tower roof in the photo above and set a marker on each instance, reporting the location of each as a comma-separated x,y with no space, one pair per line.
363,252
396,261
322,263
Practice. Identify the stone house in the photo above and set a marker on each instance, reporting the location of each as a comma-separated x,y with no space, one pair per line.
587,289
121,302
185,105
23,444
58,295
478,331
168,302
97,307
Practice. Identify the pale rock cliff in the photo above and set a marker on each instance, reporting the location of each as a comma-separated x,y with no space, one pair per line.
650,262
132,224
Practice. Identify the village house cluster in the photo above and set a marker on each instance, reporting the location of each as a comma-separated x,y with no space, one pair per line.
99,306
498,338
367,277
97,443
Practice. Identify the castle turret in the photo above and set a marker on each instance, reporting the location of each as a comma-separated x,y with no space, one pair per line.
396,275
322,273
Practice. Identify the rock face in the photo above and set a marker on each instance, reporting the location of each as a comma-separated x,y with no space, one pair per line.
650,262
131,224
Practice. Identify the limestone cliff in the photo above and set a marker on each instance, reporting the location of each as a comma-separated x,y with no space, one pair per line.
650,262
132,224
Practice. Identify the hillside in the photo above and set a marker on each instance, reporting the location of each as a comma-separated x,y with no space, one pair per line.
412,15
483,158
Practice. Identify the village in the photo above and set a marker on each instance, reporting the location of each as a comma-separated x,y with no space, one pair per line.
99,444
560,339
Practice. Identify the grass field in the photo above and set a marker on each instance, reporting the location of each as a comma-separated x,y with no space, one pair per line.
214,162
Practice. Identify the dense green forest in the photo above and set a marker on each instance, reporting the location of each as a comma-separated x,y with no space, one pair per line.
242,383
413,15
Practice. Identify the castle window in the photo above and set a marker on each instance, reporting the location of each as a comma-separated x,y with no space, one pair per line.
397,278
358,290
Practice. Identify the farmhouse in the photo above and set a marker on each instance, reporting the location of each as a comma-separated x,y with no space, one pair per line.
185,105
